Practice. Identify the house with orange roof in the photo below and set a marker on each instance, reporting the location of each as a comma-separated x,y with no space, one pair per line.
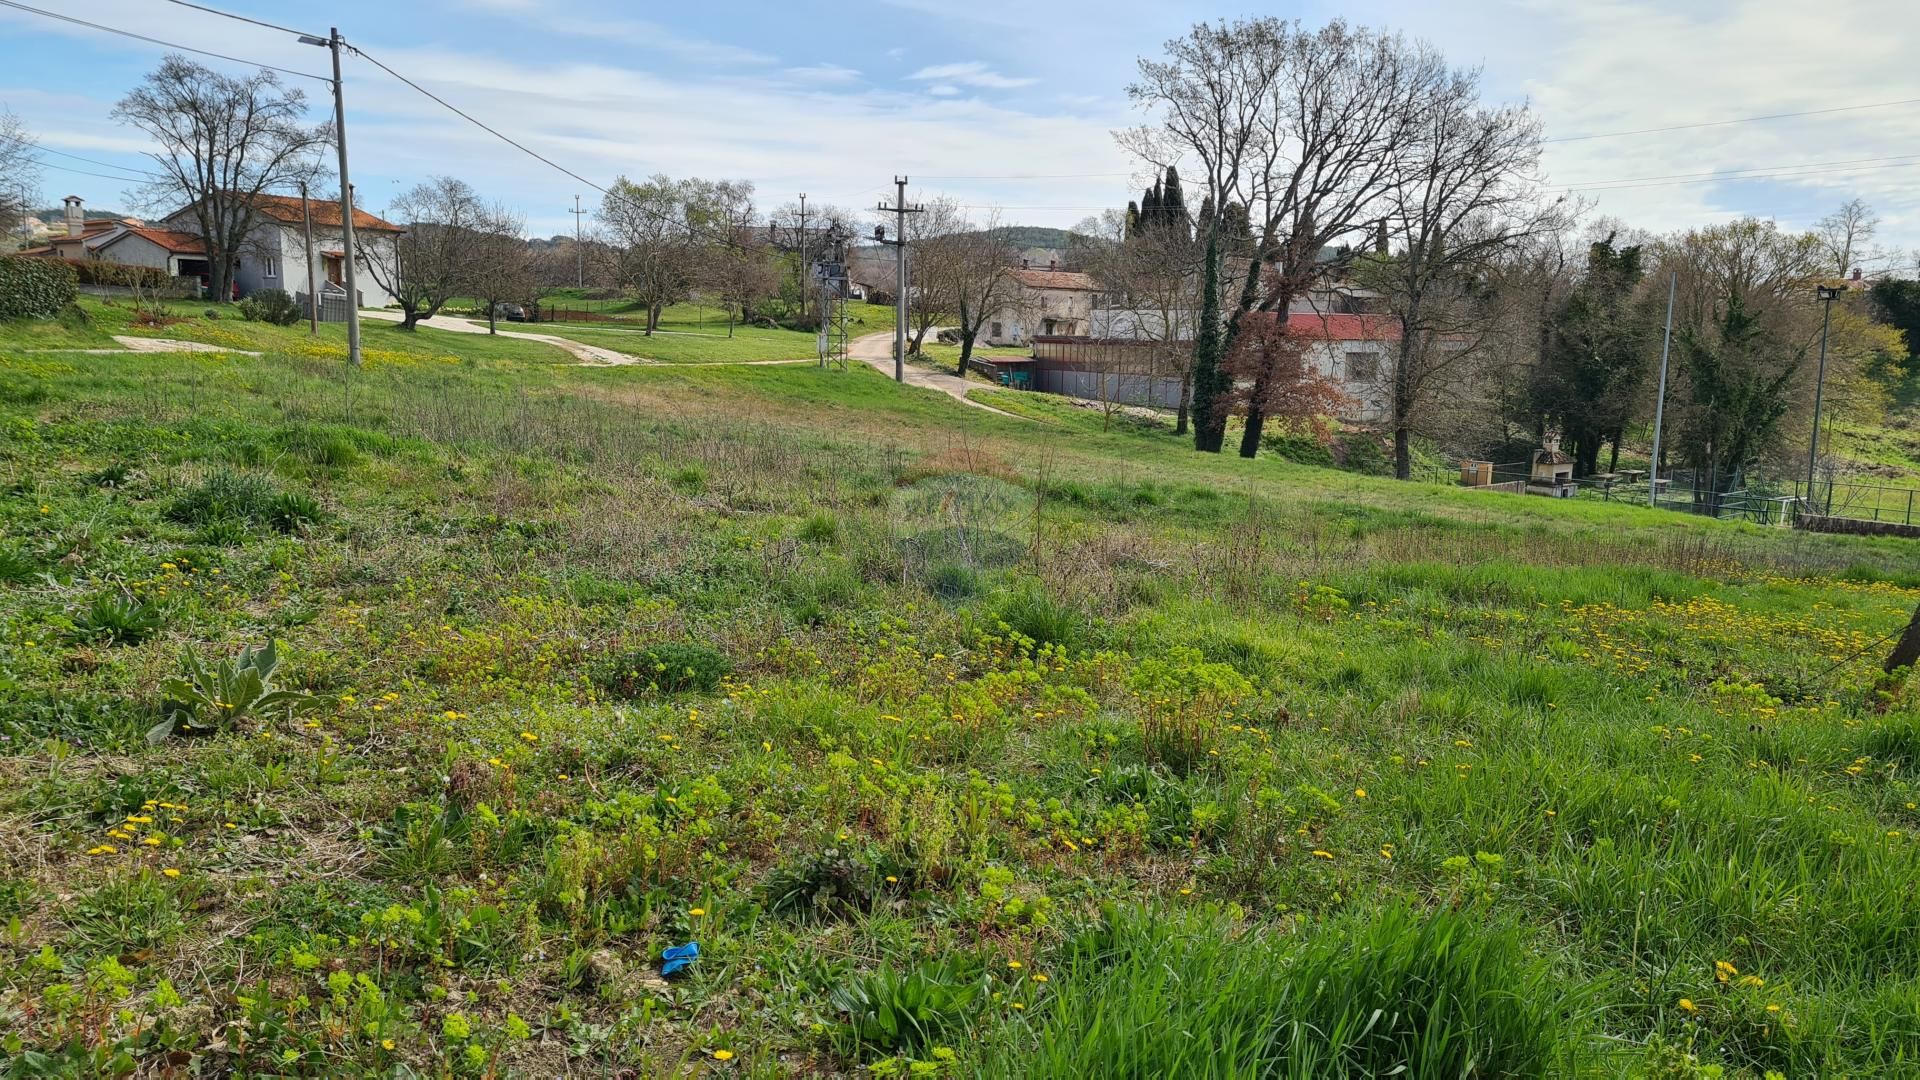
275,255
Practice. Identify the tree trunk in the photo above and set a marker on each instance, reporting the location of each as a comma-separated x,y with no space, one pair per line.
966,349
1186,395
1402,451
1906,653
1613,462
409,316
1256,416
1209,408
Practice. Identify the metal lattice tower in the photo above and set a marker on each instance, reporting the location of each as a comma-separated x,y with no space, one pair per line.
830,275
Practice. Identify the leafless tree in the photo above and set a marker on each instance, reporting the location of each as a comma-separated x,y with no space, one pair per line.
441,254
1846,232
737,261
224,141
505,269
980,282
800,233
1150,282
938,248
1464,201
1298,127
19,174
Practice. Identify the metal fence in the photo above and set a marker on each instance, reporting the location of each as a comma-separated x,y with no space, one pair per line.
1860,502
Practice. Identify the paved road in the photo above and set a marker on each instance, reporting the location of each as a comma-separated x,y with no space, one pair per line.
590,354
876,350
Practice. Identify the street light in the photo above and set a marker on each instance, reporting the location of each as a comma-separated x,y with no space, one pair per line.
1826,294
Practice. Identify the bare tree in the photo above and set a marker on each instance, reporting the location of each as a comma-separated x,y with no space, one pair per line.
1151,292
505,269
224,141
980,281
938,247
801,235
441,254
1846,232
736,264
1464,201
19,174
1299,128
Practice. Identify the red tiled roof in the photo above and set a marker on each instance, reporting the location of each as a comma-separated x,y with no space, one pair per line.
286,208
180,243
1054,279
326,214
1337,327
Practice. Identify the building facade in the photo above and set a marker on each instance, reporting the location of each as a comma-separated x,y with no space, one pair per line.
275,255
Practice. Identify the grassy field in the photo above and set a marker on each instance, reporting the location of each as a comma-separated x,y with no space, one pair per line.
962,744
692,334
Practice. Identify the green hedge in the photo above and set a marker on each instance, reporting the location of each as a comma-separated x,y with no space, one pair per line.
34,287
111,273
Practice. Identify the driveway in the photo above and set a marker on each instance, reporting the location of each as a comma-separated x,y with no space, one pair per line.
588,354
876,350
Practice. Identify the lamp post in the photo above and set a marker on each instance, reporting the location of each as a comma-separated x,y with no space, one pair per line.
1826,294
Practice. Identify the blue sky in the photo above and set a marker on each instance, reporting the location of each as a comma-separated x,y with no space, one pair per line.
835,99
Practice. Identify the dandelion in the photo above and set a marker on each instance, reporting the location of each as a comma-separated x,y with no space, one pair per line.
1319,854
1752,982
891,880
1018,1005
1039,977
386,1044
723,1055
1722,969
1688,1005
530,736
1773,1008
1359,793
1186,892
1015,965
102,849
697,912
170,872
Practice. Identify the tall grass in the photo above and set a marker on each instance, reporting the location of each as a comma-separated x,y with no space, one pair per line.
1160,994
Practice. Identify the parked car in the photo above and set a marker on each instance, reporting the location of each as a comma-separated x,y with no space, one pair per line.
510,312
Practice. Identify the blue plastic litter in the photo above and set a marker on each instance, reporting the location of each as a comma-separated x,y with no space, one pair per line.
678,957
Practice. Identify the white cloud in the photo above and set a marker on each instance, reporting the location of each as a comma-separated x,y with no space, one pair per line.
943,90
970,73
824,74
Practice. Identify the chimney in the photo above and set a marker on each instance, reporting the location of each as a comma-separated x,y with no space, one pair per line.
1023,264
1856,273
1050,263
76,221
1380,237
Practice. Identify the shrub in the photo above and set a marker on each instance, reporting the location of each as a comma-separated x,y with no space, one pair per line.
667,668
219,697
32,287
820,527
110,273
291,509
119,619
270,306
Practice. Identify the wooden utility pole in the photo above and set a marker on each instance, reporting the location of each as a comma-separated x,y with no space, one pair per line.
313,287
899,210
1905,654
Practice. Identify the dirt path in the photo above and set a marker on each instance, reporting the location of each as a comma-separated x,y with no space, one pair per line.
876,350
129,343
588,354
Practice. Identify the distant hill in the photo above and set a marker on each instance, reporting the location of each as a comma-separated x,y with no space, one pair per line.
1032,236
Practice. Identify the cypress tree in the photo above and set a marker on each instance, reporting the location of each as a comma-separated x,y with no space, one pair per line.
1173,203
1205,222
1150,208
1133,219
1209,412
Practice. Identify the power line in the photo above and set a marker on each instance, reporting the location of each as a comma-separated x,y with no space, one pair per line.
1741,120
1035,176
156,41
45,149
241,18
537,156
83,172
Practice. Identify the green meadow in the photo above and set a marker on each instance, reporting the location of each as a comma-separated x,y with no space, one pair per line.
394,721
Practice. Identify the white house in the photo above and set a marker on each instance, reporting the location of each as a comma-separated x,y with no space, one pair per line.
275,256
1042,302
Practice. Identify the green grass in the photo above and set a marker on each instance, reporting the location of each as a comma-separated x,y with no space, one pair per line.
1006,747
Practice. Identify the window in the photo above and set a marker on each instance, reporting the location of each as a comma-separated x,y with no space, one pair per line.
270,266
997,331
1363,366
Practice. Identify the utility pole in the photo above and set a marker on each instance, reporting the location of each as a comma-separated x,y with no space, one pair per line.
313,290
899,210
579,250
334,42
1660,403
805,277
1826,294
